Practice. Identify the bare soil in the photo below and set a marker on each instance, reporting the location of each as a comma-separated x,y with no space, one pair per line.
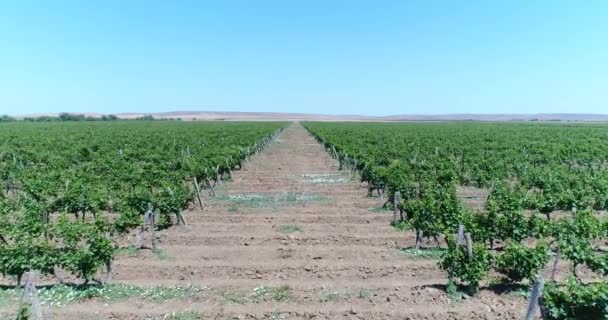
333,255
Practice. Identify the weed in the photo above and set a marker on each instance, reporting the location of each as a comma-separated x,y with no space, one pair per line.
62,295
521,292
183,315
233,296
380,209
233,208
289,228
130,251
267,199
453,293
326,178
331,295
365,293
275,316
274,293
401,225
423,253
160,254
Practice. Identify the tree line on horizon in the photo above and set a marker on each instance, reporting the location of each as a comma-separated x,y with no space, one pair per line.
64,116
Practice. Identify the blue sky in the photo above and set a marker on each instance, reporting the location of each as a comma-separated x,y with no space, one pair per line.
335,57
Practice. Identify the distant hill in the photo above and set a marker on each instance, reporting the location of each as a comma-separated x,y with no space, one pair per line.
260,116
220,115
502,117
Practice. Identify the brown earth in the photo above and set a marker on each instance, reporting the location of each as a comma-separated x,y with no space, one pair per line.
343,263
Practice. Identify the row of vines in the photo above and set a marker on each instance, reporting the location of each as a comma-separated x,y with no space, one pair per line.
545,212
69,190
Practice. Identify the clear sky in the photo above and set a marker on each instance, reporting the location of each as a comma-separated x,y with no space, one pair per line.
370,57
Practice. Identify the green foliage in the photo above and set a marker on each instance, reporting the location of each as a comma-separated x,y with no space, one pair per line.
423,253
537,174
289,228
25,239
401,225
333,295
262,293
575,300
67,188
519,262
84,248
469,271
61,295
183,315
504,218
6,118
576,240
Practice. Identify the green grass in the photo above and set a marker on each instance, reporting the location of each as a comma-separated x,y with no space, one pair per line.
422,253
233,296
130,251
267,199
365,293
182,315
62,295
160,254
289,228
521,292
276,316
454,294
380,209
233,208
326,178
258,294
401,225
332,295
263,293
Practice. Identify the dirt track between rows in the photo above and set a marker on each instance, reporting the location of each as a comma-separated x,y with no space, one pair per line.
343,263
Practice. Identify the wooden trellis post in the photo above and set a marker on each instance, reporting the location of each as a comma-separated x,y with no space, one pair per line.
211,188
217,175
179,214
535,298
469,242
459,240
108,263
198,192
30,293
395,206
346,161
228,166
109,271
148,223
460,234
555,262
419,236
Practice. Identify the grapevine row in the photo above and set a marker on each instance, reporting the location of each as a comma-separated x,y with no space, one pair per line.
547,192
70,189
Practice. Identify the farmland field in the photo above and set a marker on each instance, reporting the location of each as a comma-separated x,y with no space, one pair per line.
301,224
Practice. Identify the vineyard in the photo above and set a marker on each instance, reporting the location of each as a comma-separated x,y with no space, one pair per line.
70,190
181,220
545,212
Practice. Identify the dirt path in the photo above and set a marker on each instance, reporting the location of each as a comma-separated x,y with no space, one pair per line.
291,238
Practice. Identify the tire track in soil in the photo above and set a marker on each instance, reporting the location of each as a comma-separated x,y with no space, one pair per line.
342,248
